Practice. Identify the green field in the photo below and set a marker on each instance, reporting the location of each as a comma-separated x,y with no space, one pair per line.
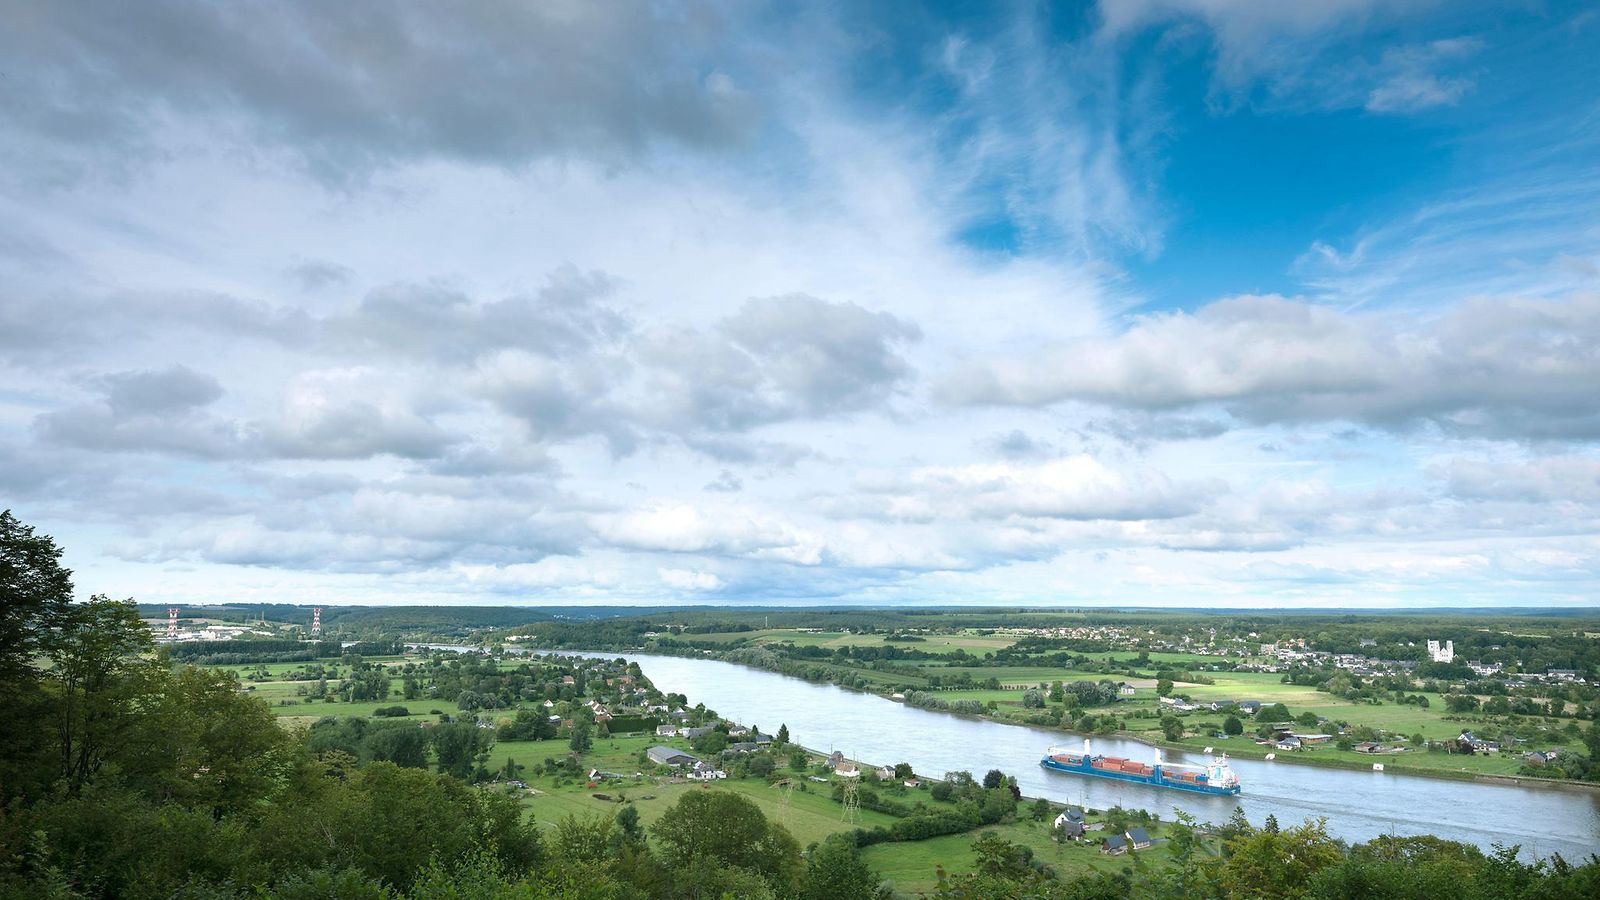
913,865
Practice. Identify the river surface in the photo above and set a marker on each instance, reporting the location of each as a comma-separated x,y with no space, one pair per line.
1358,805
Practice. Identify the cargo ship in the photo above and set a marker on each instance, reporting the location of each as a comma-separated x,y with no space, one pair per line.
1215,778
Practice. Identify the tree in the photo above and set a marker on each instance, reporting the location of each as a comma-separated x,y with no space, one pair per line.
1232,727
798,760
580,739
729,829
1273,712
459,746
35,593
1171,727
96,674
1164,687
628,823
903,771
1279,864
1041,809
404,745
586,839
993,779
835,871
782,736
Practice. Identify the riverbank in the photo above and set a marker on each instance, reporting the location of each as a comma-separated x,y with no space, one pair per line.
1392,764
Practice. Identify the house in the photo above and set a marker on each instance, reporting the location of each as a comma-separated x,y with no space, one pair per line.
835,758
1138,839
666,731
763,739
1070,824
886,773
707,774
698,731
847,770
913,782
1249,707
667,756
738,731
1125,689
568,679
1114,845
741,747
1289,742
1563,674
1367,747
1220,705
1314,738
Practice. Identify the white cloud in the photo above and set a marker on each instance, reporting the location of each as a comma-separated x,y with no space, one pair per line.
1499,368
689,580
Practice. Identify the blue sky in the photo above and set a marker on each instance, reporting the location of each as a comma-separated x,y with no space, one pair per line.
1161,302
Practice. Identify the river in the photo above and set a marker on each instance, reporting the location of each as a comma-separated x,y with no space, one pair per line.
1358,805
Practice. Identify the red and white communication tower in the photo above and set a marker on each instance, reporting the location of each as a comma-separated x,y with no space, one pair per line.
316,621
172,623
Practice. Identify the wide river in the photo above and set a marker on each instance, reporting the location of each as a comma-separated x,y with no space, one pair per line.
1358,805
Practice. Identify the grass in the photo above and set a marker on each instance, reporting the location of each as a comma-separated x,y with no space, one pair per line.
809,813
913,865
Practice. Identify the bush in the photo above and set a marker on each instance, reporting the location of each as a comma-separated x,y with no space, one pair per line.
391,712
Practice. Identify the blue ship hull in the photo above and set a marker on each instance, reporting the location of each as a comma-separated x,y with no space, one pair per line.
1155,778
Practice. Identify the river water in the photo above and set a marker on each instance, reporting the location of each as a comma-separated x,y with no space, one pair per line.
1358,805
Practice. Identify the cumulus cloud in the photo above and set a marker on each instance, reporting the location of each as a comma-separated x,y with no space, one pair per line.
1075,487
683,528
725,483
361,84
440,323
146,410
351,413
777,358
1496,368
1548,480
316,274
689,580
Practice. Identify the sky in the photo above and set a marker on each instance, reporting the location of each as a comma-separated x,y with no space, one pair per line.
1153,302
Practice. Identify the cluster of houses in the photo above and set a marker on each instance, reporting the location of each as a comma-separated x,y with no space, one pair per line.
1112,636
1072,826
698,769
1540,757
1481,745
